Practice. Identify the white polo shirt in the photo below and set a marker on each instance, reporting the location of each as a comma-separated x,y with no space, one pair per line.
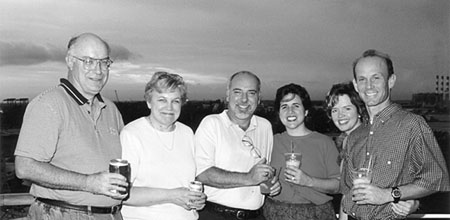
218,142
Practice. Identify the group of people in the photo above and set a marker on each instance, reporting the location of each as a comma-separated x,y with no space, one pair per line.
234,154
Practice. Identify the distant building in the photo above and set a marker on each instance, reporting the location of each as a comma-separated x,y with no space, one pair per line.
14,101
429,101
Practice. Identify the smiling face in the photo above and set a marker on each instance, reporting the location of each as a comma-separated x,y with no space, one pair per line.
372,83
165,107
345,115
243,98
292,113
89,82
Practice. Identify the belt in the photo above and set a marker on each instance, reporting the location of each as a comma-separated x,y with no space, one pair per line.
229,211
83,208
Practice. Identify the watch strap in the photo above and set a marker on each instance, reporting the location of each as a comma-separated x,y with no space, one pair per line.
396,194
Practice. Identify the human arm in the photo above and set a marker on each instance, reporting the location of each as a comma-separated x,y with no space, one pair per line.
370,194
426,168
324,178
221,178
45,174
148,196
405,208
297,176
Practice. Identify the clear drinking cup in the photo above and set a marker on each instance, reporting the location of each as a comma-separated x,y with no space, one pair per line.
293,159
361,175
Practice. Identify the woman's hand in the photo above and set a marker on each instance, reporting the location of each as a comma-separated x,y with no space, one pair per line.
297,176
405,208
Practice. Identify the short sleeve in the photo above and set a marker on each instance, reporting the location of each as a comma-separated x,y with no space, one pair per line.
427,162
131,151
331,156
40,130
205,143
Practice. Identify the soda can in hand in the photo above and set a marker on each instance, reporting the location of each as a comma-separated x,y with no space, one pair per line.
196,186
122,167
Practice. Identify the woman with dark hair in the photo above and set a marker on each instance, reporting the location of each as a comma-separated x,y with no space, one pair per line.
305,189
161,154
347,111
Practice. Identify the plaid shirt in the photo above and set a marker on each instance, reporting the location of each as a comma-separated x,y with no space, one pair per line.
404,151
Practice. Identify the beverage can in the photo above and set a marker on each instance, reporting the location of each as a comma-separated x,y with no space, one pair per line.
196,186
122,167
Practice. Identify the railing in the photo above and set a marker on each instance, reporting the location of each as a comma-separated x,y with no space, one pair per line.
15,199
14,206
20,199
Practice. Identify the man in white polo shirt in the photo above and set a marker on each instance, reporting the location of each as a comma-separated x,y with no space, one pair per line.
231,154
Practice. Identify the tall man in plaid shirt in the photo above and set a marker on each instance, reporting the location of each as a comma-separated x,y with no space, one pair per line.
407,162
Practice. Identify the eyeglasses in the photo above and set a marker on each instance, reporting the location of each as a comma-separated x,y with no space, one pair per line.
247,141
90,63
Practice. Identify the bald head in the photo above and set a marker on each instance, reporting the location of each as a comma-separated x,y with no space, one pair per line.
80,43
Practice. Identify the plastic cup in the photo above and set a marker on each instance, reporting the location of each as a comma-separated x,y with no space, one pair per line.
293,159
361,175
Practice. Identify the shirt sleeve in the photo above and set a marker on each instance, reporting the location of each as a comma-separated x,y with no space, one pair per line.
331,160
269,144
205,143
40,130
427,162
131,149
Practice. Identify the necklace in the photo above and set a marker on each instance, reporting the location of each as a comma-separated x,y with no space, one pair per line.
167,139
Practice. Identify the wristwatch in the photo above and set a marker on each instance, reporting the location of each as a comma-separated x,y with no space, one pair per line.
396,194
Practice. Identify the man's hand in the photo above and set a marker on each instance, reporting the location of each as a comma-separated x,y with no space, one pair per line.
365,193
188,199
260,172
108,184
276,186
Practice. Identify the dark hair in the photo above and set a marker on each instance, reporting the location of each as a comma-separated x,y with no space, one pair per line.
341,89
163,81
295,90
258,86
375,53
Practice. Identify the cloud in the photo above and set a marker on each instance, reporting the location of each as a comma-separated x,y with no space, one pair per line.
28,53
119,52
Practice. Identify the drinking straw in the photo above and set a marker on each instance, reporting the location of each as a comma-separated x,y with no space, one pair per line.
369,166
292,147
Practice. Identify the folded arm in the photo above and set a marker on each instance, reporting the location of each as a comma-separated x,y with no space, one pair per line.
48,175
221,178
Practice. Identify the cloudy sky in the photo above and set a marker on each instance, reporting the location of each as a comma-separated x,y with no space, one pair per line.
309,42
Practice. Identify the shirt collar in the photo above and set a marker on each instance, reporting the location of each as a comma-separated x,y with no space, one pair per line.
387,112
253,123
75,94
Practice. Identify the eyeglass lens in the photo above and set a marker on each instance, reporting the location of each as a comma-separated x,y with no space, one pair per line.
91,63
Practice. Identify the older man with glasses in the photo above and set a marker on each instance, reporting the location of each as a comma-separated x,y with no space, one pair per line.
232,149
69,135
